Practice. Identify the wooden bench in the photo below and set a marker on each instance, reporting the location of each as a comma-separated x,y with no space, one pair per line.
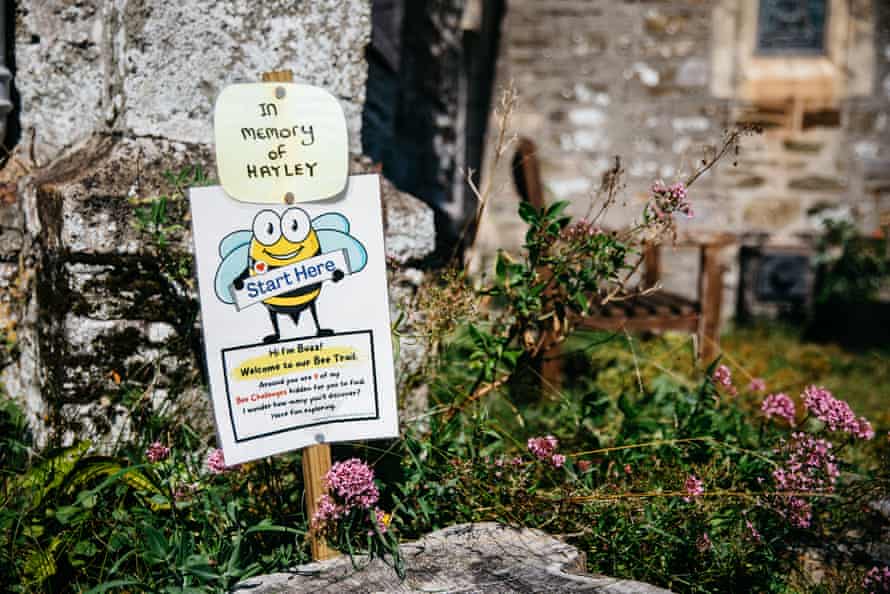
654,312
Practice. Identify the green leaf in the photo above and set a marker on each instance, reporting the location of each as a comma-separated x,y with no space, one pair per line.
156,543
39,566
49,474
477,337
88,469
556,208
113,585
500,267
66,513
528,213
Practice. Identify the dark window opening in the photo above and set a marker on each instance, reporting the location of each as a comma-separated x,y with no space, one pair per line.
428,97
792,27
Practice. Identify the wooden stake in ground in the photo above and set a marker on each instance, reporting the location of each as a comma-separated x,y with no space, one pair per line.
316,463
317,458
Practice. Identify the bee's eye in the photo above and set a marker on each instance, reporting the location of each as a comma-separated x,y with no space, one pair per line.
266,227
295,224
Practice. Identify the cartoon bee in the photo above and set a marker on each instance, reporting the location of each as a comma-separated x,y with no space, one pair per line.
277,241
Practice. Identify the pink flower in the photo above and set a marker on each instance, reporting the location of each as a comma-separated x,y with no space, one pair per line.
328,511
864,430
779,405
877,580
157,452
723,377
752,531
382,520
353,483
693,487
584,465
810,466
703,543
580,231
627,470
835,413
543,447
215,462
667,200
799,512
185,491
757,385
558,460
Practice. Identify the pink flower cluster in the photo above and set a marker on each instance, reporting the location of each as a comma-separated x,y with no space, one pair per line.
352,487
580,231
353,483
215,462
693,487
810,467
327,510
723,377
544,448
779,405
877,580
835,413
757,385
667,200
157,452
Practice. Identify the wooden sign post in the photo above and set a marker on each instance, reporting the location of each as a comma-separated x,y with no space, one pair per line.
316,458
291,273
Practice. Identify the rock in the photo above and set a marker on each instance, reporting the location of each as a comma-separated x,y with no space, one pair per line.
772,213
154,68
410,237
797,146
409,223
882,506
693,73
469,558
818,183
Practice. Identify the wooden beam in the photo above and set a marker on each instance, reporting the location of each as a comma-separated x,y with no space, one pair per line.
316,463
711,296
527,173
651,265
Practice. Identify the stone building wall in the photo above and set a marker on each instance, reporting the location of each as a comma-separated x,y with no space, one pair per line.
99,316
657,81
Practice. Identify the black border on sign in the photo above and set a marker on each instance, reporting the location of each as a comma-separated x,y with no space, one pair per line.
298,427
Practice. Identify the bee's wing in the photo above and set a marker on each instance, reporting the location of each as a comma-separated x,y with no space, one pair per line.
331,220
233,250
331,240
233,240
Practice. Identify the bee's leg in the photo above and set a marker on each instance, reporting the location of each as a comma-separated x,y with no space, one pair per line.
295,316
272,337
321,331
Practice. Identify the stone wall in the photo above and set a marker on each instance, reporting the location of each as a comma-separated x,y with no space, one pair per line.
100,316
657,81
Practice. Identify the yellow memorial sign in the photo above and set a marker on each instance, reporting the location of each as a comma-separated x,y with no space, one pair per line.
279,142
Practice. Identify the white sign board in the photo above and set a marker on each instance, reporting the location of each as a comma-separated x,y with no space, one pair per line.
296,324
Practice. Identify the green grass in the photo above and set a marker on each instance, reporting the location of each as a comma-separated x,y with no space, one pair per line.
772,351
779,355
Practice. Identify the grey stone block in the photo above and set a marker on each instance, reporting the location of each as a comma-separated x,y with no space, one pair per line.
469,558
